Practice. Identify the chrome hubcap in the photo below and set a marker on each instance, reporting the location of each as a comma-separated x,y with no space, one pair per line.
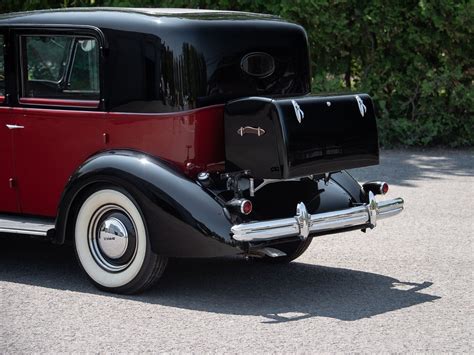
112,238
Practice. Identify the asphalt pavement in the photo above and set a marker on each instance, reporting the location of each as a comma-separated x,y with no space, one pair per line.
406,286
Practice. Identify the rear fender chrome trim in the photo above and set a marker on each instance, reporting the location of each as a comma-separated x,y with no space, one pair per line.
304,224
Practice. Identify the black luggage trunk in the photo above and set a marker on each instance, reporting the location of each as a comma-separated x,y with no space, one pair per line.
299,136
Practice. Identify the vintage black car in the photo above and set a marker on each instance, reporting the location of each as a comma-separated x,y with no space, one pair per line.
144,134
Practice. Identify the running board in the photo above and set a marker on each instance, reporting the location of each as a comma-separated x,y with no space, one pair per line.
26,225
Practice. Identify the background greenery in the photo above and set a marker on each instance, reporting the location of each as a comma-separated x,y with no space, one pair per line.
414,57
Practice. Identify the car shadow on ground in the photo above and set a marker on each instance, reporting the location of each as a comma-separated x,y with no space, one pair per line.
279,293
406,168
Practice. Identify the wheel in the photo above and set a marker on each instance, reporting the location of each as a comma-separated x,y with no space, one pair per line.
112,244
292,250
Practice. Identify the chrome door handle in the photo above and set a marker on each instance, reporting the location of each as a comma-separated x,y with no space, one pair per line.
14,126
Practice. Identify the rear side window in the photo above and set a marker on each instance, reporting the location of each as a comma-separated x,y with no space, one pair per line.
60,67
2,68
84,75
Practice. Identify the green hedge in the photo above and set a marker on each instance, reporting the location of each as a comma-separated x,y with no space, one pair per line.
414,57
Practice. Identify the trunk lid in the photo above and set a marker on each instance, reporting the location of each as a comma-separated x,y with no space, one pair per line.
283,138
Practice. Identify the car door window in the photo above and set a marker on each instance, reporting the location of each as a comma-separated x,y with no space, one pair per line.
2,68
60,67
84,75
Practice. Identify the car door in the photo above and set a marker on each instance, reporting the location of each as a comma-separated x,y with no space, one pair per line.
8,192
57,108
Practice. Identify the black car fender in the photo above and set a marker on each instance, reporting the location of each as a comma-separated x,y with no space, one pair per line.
345,180
183,219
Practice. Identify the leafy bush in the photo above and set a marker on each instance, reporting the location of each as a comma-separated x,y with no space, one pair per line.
414,57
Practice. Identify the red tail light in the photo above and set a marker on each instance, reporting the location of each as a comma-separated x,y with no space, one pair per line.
241,205
376,187
246,207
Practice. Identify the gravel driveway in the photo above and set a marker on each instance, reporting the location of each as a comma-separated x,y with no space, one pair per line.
405,286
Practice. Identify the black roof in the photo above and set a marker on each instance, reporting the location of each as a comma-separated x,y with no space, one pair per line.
164,60
125,18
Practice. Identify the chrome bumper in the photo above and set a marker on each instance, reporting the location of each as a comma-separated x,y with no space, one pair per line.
304,224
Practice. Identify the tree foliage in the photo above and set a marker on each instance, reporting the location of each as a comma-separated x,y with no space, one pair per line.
414,57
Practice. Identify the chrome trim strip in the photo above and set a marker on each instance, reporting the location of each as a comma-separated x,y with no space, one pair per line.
14,126
30,226
303,224
23,231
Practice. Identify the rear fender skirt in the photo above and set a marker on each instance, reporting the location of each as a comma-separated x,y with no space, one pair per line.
183,220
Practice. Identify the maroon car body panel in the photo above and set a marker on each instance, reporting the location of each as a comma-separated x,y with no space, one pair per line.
55,142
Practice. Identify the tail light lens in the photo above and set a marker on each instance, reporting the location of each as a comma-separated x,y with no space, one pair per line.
241,205
376,187
246,207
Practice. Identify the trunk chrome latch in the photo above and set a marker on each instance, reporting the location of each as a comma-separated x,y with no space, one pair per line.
250,130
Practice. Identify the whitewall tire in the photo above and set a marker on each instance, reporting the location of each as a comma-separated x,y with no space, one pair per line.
112,243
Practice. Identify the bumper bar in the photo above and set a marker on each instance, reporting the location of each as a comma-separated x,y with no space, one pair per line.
304,224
